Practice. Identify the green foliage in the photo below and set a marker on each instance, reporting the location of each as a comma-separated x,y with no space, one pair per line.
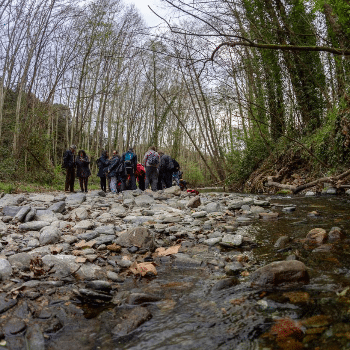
244,162
7,187
193,174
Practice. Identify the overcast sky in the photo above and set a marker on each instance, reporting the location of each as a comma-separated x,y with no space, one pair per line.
142,5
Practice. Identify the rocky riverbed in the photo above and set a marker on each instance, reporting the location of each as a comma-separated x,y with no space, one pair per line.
168,270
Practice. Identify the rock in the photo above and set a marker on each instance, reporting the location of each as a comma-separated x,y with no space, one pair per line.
139,237
49,235
237,203
282,242
331,191
105,239
90,271
348,192
224,284
5,269
11,211
103,286
20,216
268,216
288,209
45,215
14,326
6,305
118,210
33,243
129,202
80,214
185,261
90,294
323,248
42,198
233,268
30,215
105,230
212,241
212,207
142,298
88,236
199,214
310,194
97,193
11,200
335,234
135,318
3,227
75,199
174,190
33,225
21,261
261,203
35,338
83,225
230,240
281,274
58,207
194,202
316,236
171,219
105,217
113,276
144,201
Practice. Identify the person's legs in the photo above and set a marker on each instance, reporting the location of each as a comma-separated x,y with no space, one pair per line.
86,180
133,181
142,182
148,174
81,183
72,179
154,179
103,183
168,179
114,184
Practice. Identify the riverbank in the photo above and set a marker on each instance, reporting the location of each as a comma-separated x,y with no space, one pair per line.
154,270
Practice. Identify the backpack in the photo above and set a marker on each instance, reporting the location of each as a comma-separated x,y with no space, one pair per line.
128,157
65,160
170,164
153,159
99,163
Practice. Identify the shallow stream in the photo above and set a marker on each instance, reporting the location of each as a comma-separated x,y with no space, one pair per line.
191,314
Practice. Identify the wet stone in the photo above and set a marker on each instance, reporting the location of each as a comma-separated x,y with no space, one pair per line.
282,242
103,286
14,326
230,240
316,236
6,304
233,268
44,314
91,294
224,284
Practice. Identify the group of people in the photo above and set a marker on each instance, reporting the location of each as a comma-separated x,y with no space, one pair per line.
120,173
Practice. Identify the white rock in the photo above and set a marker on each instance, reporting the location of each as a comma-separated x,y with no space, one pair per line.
5,269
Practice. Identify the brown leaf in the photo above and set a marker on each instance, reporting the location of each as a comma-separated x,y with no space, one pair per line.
143,268
164,252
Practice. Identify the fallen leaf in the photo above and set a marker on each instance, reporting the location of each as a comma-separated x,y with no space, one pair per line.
143,268
80,259
83,244
164,252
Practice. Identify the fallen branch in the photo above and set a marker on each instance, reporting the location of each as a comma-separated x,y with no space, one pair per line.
271,181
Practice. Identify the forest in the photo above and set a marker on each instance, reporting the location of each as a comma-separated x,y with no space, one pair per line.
235,90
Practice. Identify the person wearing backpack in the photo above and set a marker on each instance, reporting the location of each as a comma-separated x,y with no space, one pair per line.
69,165
165,171
113,171
129,159
151,161
83,170
102,164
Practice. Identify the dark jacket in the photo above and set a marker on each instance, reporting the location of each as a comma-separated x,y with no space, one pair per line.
113,165
68,159
165,164
103,163
133,161
83,169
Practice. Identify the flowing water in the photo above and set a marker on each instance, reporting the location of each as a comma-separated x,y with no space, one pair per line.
192,315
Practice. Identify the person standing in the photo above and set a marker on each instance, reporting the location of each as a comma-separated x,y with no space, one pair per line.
113,171
165,171
102,164
129,159
140,175
151,161
83,170
69,165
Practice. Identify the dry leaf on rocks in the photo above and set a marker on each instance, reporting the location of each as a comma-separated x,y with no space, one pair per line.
83,244
143,268
164,252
